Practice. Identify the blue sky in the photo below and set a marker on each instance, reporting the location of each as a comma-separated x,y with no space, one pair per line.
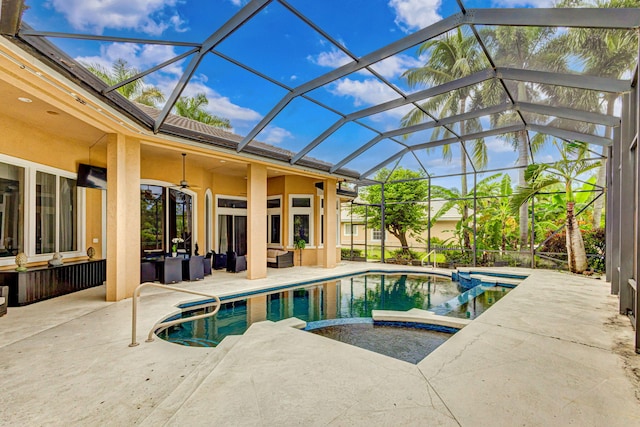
283,48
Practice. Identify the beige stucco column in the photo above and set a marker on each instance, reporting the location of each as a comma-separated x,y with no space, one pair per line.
257,218
123,216
329,257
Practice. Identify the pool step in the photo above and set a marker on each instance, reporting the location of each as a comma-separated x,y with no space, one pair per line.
470,278
416,315
174,400
456,302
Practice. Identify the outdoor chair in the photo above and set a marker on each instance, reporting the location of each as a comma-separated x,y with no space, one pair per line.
193,269
219,261
147,271
206,262
236,263
171,271
4,299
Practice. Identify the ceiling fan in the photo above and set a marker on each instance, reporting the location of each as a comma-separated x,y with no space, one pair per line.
184,184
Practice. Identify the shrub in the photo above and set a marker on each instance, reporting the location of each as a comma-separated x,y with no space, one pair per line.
594,244
405,257
347,253
458,257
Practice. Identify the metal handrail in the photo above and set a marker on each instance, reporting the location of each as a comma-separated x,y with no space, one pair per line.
165,325
435,259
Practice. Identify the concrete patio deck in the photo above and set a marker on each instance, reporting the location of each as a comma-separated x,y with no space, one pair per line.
554,351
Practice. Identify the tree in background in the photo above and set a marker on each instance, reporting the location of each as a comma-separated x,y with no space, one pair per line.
136,91
484,189
451,57
565,171
192,107
605,53
497,228
528,48
404,215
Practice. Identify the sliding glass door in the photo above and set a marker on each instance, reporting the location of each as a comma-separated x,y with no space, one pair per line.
166,213
232,224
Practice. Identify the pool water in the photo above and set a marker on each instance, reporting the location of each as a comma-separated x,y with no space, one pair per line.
408,344
352,297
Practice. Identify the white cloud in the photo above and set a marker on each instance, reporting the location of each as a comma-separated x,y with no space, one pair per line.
218,105
547,158
274,135
371,92
145,56
394,66
140,57
533,3
496,145
239,3
415,14
366,92
333,58
151,17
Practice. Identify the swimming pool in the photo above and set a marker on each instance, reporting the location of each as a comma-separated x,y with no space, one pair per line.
350,297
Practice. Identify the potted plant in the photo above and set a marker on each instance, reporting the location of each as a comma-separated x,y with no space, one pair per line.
300,244
174,247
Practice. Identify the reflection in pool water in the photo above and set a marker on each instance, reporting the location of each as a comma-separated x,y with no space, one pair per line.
352,297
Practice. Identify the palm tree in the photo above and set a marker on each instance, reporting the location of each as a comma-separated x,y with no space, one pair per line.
565,171
605,53
451,57
136,91
193,108
522,48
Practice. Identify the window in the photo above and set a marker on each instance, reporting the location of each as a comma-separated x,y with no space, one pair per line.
301,218
208,220
376,234
152,218
181,218
232,203
45,213
301,202
11,210
68,224
40,211
351,229
56,214
338,243
273,203
274,225
321,221
165,214
274,218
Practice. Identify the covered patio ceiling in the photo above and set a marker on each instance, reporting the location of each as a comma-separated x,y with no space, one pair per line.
341,111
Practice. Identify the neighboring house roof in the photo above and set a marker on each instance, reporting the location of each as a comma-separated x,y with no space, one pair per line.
436,204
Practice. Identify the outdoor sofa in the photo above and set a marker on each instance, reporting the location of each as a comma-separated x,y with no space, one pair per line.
279,258
4,299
